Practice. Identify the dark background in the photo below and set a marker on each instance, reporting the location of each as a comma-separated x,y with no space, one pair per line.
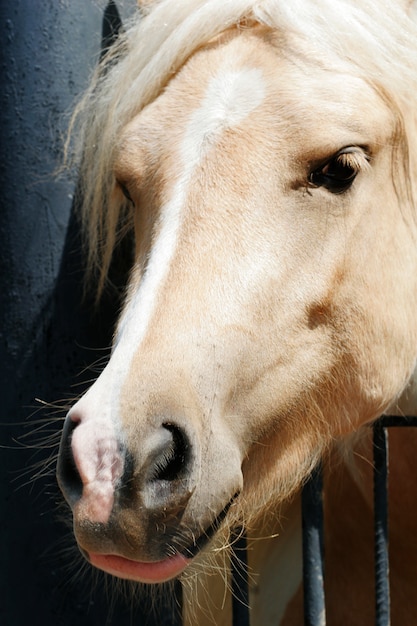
48,333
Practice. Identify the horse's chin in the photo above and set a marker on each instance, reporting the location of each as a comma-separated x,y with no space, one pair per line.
143,572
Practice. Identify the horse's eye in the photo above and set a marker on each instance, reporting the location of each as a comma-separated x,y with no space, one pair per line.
338,174
125,192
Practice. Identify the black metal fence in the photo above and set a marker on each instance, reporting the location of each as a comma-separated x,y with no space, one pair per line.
313,534
313,540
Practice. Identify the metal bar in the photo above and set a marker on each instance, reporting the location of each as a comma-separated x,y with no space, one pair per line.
397,420
382,590
240,589
111,27
313,551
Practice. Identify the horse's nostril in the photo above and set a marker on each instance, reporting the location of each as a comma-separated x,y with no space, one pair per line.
69,479
171,463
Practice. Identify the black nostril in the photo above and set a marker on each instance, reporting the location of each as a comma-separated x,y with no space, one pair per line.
68,477
171,464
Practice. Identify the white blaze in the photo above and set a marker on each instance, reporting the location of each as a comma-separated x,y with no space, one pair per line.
230,97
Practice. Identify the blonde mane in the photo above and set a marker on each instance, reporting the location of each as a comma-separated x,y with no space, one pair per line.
375,38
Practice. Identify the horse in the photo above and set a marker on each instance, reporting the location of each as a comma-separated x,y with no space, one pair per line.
262,154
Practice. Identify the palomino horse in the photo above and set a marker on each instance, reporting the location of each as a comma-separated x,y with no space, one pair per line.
263,153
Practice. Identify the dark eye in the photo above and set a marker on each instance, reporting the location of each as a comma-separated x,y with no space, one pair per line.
339,172
125,192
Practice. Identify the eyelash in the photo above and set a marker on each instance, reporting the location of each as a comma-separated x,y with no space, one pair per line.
339,172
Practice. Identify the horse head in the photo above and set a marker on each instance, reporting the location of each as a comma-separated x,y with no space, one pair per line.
271,305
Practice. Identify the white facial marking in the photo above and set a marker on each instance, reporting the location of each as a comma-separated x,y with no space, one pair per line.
98,459
230,97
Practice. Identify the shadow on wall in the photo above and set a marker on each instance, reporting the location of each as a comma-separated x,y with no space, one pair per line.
49,335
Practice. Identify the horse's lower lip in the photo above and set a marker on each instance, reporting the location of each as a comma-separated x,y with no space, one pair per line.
156,571
145,572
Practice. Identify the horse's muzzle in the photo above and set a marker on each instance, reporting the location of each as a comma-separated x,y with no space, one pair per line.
114,496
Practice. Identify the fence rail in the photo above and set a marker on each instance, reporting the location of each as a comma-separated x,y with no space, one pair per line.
314,597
